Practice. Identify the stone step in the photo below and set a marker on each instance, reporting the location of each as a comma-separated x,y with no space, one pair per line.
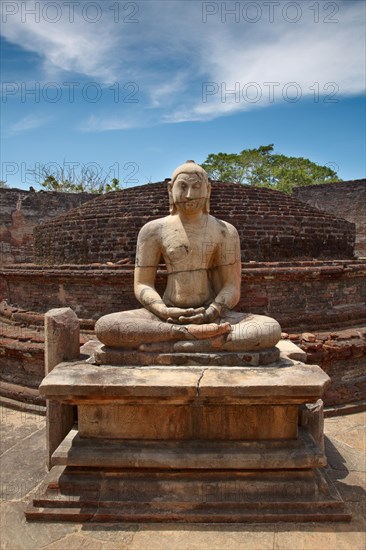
220,496
85,452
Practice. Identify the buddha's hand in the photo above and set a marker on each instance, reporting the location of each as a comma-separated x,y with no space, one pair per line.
179,315
194,316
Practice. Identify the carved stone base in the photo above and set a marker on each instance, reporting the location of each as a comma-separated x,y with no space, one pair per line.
88,452
190,444
114,356
142,495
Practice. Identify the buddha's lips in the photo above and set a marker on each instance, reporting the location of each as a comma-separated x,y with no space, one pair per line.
191,203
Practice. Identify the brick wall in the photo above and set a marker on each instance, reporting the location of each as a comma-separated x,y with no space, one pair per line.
346,199
342,355
303,296
21,211
298,294
272,226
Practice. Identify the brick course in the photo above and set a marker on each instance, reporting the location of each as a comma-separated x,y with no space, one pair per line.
298,294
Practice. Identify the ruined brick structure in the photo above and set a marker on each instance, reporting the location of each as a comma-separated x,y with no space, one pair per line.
21,211
299,294
272,226
298,266
345,199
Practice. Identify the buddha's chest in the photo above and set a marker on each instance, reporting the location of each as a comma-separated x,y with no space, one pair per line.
189,249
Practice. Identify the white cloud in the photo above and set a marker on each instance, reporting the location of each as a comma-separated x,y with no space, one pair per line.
171,53
307,54
77,46
29,122
166,93
101,123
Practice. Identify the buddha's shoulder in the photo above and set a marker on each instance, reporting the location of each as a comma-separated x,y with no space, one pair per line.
222,227
154,226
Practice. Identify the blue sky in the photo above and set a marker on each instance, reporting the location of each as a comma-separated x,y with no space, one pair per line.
136,88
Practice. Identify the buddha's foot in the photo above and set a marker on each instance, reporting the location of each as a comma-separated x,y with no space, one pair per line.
206,331
162,347
187,346
201,346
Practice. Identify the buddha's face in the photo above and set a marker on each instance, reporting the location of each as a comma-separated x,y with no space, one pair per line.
189,193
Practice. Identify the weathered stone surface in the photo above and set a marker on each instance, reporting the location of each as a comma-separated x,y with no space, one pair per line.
294,383
212,496
62,336
289,382
20,472
114,356
187,423
182,422
17,533
312,417
80,451
291,350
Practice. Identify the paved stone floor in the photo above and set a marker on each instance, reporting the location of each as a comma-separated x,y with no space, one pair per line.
23,467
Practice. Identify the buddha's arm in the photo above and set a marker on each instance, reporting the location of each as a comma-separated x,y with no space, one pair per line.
148,251
226,274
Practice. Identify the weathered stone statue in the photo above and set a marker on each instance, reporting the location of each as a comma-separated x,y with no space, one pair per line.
202,256
168,431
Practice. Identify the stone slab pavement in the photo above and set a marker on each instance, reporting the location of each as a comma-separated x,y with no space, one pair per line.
23,466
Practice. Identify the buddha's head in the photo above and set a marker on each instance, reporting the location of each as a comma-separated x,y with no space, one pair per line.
189,189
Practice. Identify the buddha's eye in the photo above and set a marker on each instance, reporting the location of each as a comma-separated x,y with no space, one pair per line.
183,186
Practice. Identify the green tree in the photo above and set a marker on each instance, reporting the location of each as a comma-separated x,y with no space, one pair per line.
262,167
3,185
67,180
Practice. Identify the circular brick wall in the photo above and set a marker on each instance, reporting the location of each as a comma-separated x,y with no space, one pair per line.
272,226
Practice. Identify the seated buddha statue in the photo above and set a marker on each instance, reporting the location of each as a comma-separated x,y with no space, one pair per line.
202,257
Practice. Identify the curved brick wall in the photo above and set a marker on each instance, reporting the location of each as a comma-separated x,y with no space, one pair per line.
300,295
272,226
344,199
310,296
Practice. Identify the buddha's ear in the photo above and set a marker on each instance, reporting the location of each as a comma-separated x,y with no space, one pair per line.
207,202
172,208
209,188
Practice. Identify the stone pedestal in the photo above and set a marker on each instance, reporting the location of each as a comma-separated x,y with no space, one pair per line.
189,443
62,343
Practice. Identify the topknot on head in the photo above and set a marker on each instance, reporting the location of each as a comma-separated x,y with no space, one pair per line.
189,167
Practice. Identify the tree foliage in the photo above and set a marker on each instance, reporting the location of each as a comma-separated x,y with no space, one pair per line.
263,168
66,179
3,185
